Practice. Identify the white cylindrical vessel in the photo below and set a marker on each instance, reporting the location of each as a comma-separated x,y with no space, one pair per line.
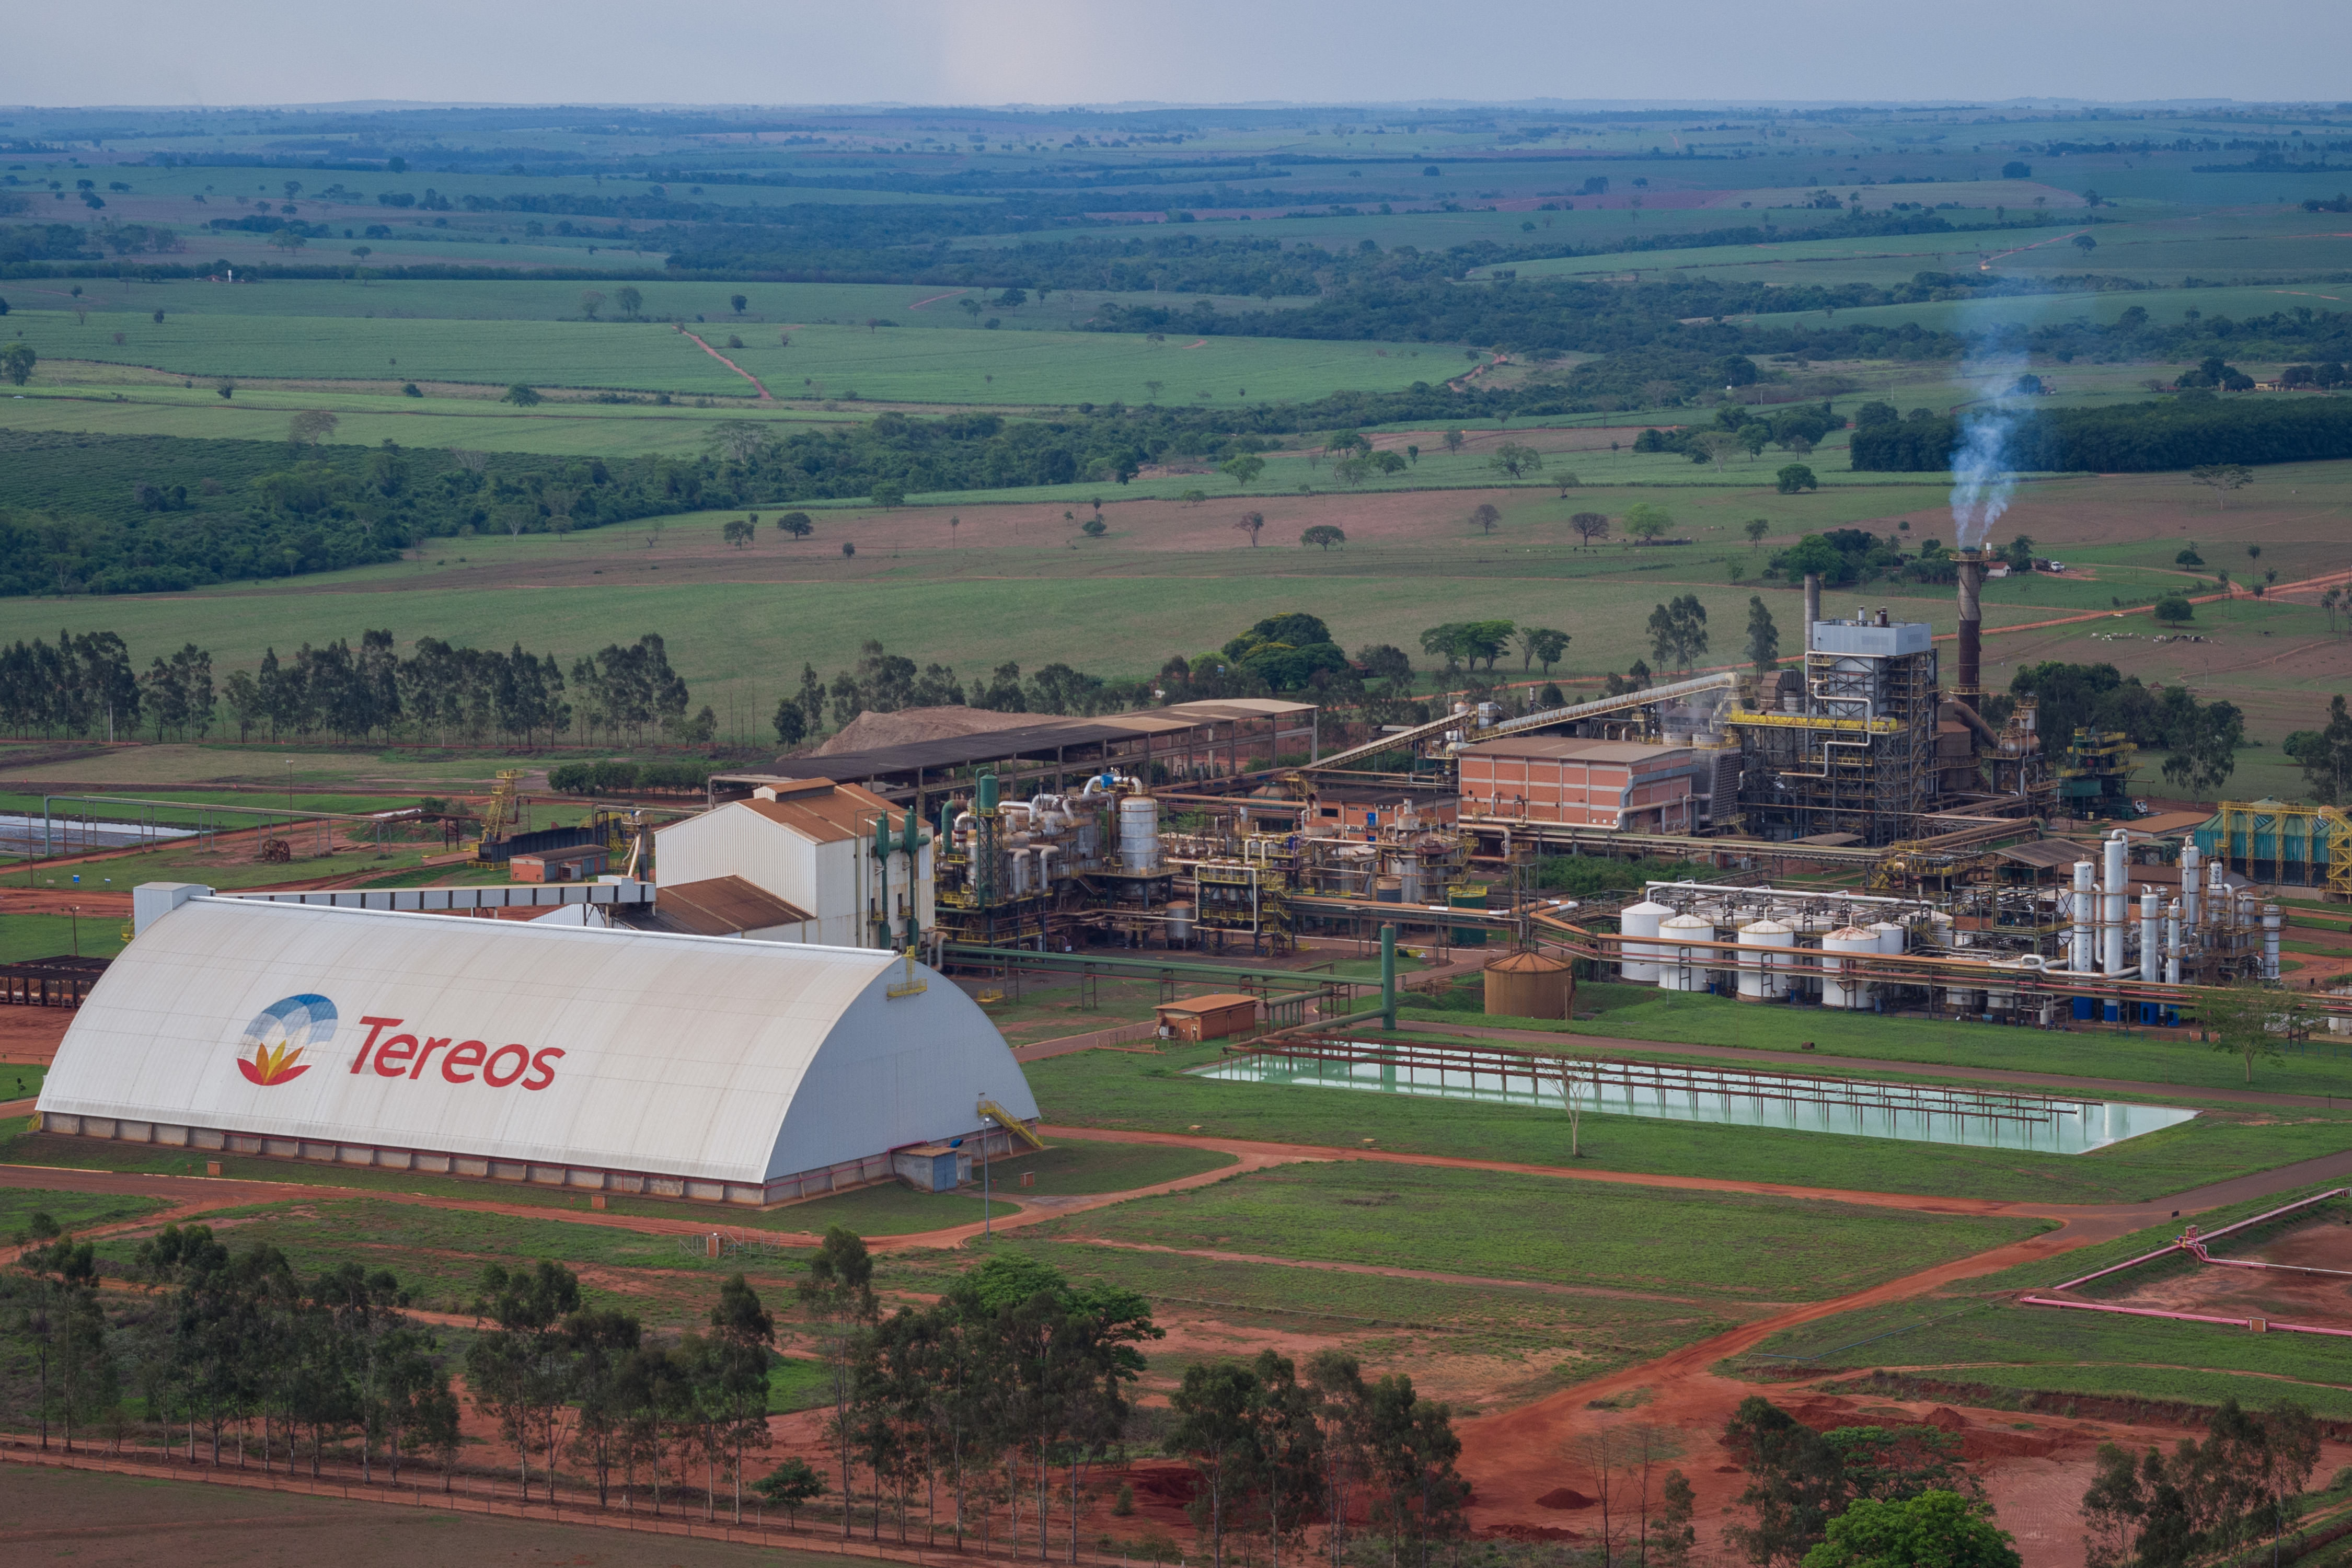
1767,957
1639,960
1139,833
2151,941
2271,922
2080,955
2172,944
1680,967
2113,912
2191,859
1893,938
1841,984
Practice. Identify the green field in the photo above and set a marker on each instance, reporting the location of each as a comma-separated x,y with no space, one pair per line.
1523,1343
1101,1088
27,936
849,362
1566,1232
1974,1334
72,1211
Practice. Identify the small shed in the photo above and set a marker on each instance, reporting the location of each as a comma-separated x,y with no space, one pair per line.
1214,1017
932,1168
573,865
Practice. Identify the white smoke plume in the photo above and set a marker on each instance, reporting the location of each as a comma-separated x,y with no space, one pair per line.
1981,478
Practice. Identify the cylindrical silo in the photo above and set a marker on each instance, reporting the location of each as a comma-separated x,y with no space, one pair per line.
1892,937
1684,968
1529,986
1640,960
1764,971
1139,833
1842,985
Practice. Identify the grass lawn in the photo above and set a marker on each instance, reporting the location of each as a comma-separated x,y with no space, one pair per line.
1681,1017
1762,1250
1114,1089
22,1081
438,1253
1536,1340
796,1383
74,1211
28,936
1973,1334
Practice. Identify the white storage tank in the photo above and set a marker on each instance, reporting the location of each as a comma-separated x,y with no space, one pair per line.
1764,973
1891,937
1684,968
1139,833
1640,964
1842,986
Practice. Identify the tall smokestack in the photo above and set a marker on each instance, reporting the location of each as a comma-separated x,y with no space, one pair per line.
1812,606
1968,687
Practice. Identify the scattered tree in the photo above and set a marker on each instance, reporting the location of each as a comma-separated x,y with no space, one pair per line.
2174,608
1515,460
2222,479
1647,521
1756,527
1323,534
1243,469
1590,526
310,428
1250,523
1486,516
1794,477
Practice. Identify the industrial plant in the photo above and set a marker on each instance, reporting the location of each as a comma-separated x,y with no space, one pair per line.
774,996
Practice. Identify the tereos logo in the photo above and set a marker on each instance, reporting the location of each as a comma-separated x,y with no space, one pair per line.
272,1050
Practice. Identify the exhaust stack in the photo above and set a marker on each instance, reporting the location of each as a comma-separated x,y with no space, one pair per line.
1812,606
1969,687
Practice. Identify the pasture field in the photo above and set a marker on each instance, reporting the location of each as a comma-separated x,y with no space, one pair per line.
1017,581
958,366
1153,1094
767,305
1566,1232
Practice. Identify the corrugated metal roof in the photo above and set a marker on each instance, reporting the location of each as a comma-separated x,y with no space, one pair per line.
2049,854
722,906
709,1057
1047,735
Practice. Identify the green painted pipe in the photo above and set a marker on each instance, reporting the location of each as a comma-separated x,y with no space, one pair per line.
1388,977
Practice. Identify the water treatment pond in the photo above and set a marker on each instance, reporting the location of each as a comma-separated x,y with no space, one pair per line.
1918,1113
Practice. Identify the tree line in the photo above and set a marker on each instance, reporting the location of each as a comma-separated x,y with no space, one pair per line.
2186,432
84,684
232,1352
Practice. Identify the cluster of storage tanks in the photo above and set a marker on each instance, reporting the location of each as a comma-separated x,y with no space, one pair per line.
1788,943
1766,945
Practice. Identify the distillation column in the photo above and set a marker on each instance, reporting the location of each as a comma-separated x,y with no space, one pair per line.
2111,912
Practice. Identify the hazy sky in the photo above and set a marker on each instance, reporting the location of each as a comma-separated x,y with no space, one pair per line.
1217,51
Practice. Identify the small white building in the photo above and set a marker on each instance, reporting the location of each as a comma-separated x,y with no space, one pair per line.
808,847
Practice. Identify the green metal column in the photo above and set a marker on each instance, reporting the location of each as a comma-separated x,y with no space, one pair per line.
1388,977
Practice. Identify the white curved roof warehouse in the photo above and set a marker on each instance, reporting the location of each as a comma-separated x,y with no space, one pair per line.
630,1061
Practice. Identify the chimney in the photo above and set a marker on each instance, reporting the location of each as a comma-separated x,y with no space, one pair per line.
1968,686
1812,606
